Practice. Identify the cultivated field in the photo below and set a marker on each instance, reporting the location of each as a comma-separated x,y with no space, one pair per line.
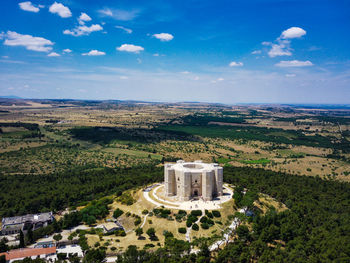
65,134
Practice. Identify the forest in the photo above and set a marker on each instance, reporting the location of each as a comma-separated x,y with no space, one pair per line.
22,194
315,228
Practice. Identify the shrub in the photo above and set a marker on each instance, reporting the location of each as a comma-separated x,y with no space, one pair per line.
152,234
196,212
182,230
210,215
126,199
204,219
167,234
148,246
204,225
120,233
195,227
137,221
139,231
210,222
188,223
178,218
216,213
192,218
145,212
117,213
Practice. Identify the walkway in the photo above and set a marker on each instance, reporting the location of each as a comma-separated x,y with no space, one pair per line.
187,205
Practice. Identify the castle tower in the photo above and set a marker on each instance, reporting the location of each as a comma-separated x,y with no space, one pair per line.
193,180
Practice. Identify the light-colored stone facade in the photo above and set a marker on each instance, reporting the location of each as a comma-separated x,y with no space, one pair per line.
191,180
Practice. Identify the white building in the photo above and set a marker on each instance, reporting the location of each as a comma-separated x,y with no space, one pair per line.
193,180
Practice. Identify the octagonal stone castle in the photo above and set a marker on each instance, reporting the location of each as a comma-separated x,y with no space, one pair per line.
193,180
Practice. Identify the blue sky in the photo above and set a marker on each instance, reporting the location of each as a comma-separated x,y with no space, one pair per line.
257,51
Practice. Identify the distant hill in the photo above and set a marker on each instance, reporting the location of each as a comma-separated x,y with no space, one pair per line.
10,97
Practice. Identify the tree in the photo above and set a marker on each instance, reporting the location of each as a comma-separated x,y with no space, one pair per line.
195,227
21,239
243,232
3,245
30,236
204,253
139,231
117,213
152,234
248,199
57,237
182,230
94,255
2,259
238,195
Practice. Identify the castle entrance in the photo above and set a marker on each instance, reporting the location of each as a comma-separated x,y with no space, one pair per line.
195,193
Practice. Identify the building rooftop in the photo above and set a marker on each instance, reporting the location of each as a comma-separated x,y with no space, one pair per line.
42,217
28,252
196,166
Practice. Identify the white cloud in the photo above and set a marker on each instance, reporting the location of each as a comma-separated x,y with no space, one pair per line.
139,60
217,80
61,10
236,64
29,42
83,30
119,14
84,18
127,30
281,46
164,36
280,49
28,6
11,61
294,63
67,50
123,77
293,32
53,54
94,52
196,78
185,72
290,75
106,11
255,52
130,48
155,55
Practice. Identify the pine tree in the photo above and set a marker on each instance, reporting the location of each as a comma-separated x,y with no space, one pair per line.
21,239
30,236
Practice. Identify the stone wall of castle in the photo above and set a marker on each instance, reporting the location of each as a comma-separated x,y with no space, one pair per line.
189,180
